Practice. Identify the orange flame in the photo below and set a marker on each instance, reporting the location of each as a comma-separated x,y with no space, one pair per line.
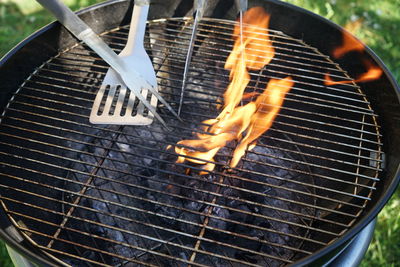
252,51
239,61
373,73
350,44
268,105
354,25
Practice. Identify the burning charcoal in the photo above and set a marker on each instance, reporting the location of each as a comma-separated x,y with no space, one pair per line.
167,211
197,195
240,217
271,160
183,255
233,195
194,205
192,229
156,185
246,256
218,223
88,254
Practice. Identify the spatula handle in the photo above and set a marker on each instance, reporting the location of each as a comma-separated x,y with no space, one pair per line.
142,2
83,32
65,15
137,27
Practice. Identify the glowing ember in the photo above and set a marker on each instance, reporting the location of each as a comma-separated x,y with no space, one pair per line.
251,52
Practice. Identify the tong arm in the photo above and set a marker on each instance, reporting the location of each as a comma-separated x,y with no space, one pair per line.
242,5
199,6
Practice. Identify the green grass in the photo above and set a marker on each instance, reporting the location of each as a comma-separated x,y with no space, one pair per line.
385,247
20,18
5,260
380,28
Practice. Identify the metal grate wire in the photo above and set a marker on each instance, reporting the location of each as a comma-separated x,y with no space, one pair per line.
113,195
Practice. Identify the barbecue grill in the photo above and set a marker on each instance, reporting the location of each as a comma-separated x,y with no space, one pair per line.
81,194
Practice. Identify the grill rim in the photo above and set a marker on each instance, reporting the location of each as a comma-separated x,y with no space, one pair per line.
387,191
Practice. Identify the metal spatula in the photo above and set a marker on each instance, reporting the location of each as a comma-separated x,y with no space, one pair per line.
107,106
123,76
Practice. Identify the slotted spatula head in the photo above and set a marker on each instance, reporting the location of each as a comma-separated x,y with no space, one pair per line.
114,103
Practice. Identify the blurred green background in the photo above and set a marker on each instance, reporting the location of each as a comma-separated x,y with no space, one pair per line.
377,23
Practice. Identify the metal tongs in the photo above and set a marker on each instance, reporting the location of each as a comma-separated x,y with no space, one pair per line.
129,77
242,7
199,6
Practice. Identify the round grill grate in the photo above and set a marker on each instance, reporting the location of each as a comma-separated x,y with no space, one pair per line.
113,195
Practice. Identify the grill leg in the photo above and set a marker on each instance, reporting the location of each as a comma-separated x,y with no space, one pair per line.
353,253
